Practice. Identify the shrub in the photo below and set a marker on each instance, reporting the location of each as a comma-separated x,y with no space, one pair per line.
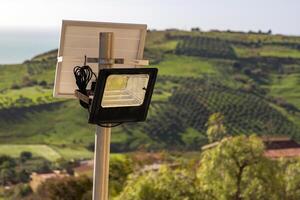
27,82
69,188
25,155
15,86
44,167
91,146
43,83
21,191
119,169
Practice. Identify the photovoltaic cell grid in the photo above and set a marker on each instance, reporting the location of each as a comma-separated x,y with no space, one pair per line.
79,38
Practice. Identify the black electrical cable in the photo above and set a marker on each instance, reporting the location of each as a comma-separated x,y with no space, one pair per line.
83,75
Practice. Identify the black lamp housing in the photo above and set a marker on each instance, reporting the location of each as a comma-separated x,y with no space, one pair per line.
106,115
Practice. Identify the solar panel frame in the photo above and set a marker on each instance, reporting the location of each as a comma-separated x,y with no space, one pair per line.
87,35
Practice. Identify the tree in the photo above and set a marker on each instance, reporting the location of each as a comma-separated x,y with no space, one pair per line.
269,32
7,171
44,167
236,169
7,176
237,66
165,184
23,176
292,180
215,127
6,162
195,29
68,166
25,155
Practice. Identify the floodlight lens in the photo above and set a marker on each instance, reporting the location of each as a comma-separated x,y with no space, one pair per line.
125,90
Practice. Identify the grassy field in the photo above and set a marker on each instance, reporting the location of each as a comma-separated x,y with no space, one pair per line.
287,87
185,66
45,151
165,46
26,96
267,51
11,74
51,153
277,51
73,152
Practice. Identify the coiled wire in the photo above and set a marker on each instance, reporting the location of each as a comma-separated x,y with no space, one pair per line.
83,75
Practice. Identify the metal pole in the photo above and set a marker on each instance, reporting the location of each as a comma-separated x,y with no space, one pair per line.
102,137
101,163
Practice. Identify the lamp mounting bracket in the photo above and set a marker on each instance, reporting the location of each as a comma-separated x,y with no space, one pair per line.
106,61
85,98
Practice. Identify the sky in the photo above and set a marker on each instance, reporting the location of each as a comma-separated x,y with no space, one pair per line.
30,27
281,16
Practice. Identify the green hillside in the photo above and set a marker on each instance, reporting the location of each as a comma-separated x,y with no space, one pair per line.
253,79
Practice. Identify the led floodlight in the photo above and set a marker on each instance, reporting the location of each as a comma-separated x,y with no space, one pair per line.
122,95
124,90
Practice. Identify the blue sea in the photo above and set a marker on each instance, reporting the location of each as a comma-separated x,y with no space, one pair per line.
18,45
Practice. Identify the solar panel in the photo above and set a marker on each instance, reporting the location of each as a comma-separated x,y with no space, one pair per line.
81,38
